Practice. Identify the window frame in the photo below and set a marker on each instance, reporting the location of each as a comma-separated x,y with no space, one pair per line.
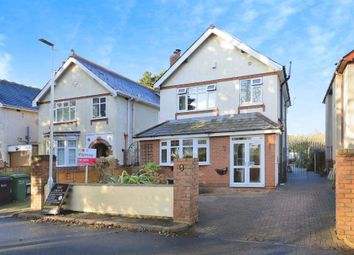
195,148
99,108
62,108
197,94
66,148
252,85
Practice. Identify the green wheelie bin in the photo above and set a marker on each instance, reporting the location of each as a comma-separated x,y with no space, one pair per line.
19,186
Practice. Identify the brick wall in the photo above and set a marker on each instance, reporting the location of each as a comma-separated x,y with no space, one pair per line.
269,148
219,158
345,195
186,191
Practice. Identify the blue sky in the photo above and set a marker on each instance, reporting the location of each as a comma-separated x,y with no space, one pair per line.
133,36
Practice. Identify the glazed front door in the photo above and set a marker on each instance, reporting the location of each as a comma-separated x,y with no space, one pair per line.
247,162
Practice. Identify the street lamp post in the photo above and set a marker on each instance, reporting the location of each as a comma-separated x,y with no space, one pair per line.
51,114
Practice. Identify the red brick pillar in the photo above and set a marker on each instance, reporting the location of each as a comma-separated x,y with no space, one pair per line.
39,177
186,191
345,195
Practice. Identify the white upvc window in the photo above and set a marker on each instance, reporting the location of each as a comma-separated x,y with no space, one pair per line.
65,111
99,107
66,152
251,91
184,148
197,98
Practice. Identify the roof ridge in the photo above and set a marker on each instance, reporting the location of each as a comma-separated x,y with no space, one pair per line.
19,84
110,71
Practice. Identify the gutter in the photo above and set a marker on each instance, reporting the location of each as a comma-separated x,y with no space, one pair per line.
17,108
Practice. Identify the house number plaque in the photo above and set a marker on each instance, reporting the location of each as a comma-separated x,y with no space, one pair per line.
181,167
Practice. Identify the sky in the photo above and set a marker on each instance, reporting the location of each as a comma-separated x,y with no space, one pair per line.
131,37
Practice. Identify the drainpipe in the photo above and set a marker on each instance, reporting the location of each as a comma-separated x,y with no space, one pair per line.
133,117
283,143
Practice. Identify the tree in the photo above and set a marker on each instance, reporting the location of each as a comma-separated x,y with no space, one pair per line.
148,79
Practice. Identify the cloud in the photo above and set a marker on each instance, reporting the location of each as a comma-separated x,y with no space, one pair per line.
5,60
105,50
5,67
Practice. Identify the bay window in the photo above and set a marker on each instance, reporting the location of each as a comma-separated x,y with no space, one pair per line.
251,91
65,111
184,148
197,98
66,152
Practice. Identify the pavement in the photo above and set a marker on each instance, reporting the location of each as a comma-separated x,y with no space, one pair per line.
298,218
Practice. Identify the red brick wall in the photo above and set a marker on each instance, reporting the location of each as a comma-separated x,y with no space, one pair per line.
219,158
39,177
345,195
269,148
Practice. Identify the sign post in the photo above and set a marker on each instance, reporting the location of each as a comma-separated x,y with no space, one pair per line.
86,157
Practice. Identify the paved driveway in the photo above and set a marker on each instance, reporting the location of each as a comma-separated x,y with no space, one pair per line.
299,214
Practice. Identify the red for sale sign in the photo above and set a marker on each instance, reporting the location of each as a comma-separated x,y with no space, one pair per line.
86,157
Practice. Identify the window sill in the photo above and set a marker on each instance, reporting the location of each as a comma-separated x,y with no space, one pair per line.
66,166
251,106
74,122
200,164
214,110
99,119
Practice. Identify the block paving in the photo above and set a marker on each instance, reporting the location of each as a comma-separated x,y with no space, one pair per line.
300,214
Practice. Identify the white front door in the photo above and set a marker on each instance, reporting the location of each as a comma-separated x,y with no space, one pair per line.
247,162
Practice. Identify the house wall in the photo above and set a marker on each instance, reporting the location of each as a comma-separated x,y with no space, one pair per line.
329,130
13,125
76,84
348,77
340,112
219,158
145,117
230,64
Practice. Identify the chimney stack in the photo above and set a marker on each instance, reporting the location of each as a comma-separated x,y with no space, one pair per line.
175,56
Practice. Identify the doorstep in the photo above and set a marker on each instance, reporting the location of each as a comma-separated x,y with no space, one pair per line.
231,190
109,221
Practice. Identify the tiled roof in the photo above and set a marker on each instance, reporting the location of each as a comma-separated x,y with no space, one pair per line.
17,95
210,125
121,84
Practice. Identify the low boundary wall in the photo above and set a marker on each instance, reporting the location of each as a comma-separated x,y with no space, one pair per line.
125,200
179,201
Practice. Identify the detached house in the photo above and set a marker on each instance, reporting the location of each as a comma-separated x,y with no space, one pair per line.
18,124
94,108
339,101
225,104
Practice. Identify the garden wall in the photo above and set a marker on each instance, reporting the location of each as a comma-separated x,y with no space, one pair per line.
128,200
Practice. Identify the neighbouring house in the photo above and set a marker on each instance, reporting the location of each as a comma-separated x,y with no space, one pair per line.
339,101
18,124
225,104
94,108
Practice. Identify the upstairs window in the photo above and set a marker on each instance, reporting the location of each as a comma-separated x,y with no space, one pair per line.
99,107
251,91
65,111
197,98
